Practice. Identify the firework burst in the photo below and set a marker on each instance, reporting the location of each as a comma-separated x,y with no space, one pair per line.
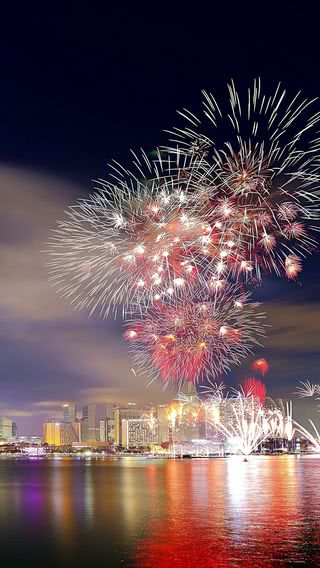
262,182
136,240
247,424
261,366
201,334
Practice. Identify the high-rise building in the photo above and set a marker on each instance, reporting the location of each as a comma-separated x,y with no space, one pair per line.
162,412
109,410
103,430
5,427
89,428
61,433
139,433
189,390
212,416
14,430
84,430
70,433
124,413
189,430
69,413
52,433
110,430
106,430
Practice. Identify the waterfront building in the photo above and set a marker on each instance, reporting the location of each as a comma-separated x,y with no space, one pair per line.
5,427
220,412
52,433
188,430
89,431
109,410
103,430
14,430
110,430
106,428
69,413
139,433
189,391
84,430
60,433
124,413
163,421
34,440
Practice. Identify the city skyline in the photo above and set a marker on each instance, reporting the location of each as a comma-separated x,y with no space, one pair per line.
221,422
303,411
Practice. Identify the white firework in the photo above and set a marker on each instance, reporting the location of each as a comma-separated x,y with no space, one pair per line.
281,422
307,389
248,424
262,176
313,436
137,239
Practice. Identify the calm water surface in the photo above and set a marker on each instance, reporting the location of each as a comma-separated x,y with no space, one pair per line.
162,513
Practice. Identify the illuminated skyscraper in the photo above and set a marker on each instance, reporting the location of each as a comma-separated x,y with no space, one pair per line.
124,413
5,427
103,430
89,425
139,433
61,433
189,390
52,433
106,430
14,430
162,412
189,429
69,413
109,410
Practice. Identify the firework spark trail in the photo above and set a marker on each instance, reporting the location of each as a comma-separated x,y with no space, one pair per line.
288,429
307,389
312,437
202,334
255,387
191,408
262,182
215,391
281,419
248,424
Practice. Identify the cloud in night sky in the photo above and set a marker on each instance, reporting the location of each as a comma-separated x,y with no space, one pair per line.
50,354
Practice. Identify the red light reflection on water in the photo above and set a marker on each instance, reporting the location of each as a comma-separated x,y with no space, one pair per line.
232,515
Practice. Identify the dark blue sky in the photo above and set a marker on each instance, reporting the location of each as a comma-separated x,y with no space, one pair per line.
79,88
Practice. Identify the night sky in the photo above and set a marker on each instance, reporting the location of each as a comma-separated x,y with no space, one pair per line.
78,89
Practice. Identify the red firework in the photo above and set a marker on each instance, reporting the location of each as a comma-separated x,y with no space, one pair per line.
254,387
260,365
201,334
